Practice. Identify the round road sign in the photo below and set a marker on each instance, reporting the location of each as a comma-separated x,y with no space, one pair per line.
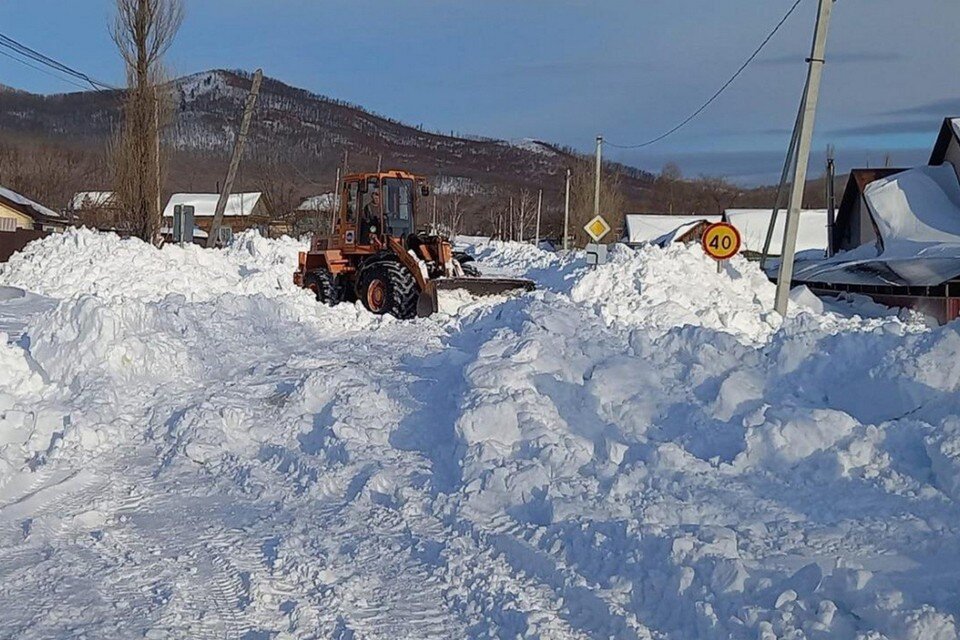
721,241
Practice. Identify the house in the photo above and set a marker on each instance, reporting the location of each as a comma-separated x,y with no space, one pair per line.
22,220
754,223
19,212
97,209
897,235
854,225
662,228
243,211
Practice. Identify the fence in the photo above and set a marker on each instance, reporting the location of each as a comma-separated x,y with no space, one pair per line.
13,241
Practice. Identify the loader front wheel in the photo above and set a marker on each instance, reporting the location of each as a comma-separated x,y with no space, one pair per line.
388,287
324,286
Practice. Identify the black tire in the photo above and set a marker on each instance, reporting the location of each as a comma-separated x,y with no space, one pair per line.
470,270
388,287
324,286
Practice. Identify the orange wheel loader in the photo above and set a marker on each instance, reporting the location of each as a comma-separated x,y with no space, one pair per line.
374,252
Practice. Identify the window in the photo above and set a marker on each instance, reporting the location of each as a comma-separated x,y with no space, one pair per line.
353,193
398,206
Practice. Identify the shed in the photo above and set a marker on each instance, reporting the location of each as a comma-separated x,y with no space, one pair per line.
663,228
753,224
854,225
243,211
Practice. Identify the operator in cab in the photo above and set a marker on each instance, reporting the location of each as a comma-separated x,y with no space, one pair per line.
370,218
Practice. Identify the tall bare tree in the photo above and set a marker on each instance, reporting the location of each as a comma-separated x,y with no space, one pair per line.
143,31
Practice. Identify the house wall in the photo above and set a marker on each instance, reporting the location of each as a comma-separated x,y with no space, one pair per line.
953,155
23,221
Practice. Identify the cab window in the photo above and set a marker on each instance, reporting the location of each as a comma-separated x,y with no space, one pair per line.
353,196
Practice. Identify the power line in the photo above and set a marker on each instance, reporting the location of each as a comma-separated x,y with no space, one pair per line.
26,52
41,70
716,95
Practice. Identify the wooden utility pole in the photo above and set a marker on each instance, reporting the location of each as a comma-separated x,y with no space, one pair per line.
596,187
235,160
379,162
566,214
536,235
523,213
804,140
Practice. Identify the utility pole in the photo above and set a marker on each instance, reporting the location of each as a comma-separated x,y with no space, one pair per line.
510,227
831,200
782,187
235,160
434,223
596,188
336,203
536,237
566,214
379,162
804,140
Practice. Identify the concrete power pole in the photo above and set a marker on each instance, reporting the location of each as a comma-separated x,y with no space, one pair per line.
235,160
596,187
536,235
804,140
566,214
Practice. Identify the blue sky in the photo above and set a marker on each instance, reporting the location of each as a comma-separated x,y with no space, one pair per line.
566,70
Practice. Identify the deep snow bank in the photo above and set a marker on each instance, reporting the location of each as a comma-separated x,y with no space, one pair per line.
81,261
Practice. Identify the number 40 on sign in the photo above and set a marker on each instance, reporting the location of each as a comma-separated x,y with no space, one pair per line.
721,241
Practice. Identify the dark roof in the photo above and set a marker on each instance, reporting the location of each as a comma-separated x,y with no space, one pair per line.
947,133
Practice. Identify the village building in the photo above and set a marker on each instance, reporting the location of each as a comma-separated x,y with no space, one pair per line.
243,211
752,224
19,212
96,209
663,228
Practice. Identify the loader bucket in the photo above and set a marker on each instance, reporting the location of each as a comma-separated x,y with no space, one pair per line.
483,286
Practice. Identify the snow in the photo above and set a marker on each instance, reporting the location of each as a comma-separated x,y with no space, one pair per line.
651,227
753,224
190,446
205,204
15,197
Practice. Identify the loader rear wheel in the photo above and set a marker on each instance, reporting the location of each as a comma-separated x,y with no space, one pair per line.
324,286
388,287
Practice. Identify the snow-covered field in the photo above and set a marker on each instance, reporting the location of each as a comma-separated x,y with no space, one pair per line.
191,447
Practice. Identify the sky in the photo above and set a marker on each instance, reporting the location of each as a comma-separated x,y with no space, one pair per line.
565,71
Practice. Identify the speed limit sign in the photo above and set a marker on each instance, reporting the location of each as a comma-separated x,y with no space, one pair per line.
721,241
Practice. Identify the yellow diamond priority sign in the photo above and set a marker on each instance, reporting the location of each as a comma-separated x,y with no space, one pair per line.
597,228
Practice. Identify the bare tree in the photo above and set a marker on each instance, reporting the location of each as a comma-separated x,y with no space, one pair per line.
143,31
582,187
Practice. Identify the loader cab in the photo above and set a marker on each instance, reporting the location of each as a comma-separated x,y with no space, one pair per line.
378,205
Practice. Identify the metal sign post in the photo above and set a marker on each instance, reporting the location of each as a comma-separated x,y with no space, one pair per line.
596,252
183,224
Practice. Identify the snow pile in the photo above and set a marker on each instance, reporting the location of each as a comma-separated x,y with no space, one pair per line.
652,289
81,261
637,450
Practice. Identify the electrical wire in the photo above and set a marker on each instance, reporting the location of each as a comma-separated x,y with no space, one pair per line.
41,70
26,52
716,95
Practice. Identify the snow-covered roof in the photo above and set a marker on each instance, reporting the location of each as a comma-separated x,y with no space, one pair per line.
917,215
91,200
641,228
23,201
753,223
322,202
205,204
